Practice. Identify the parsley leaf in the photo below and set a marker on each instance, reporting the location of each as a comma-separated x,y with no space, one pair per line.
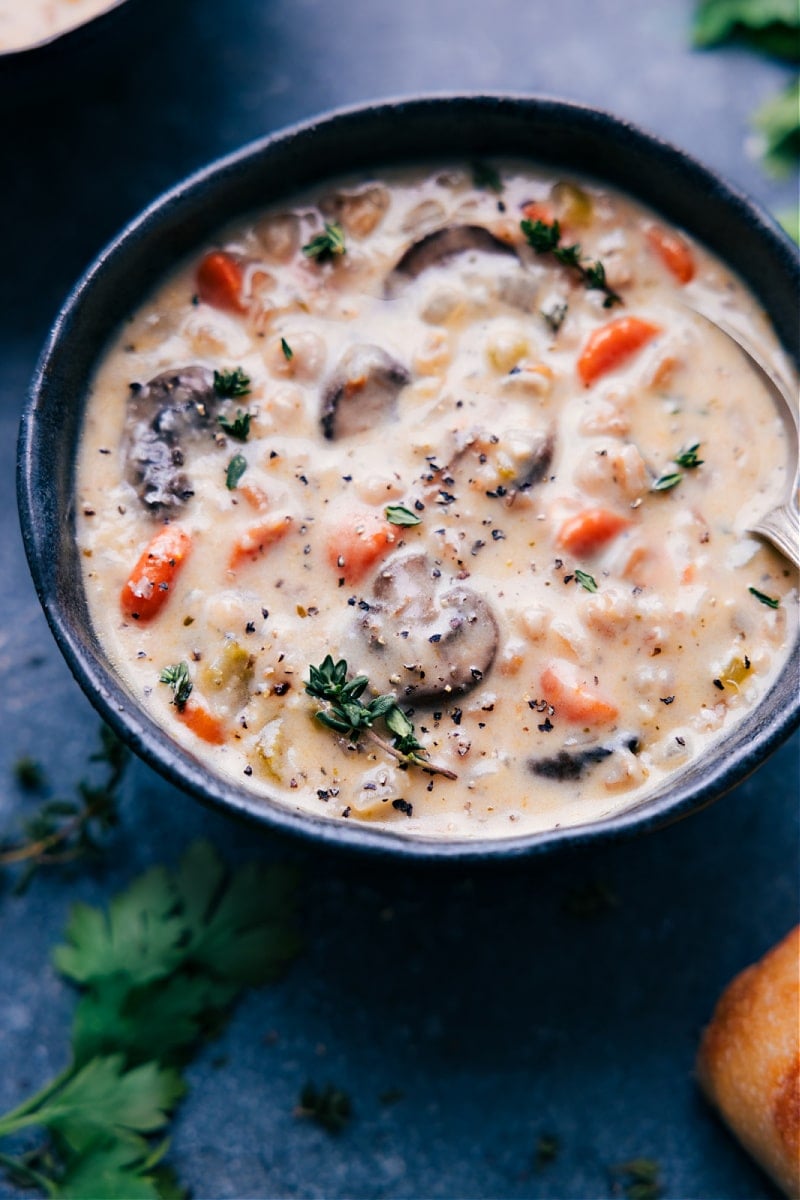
770,25
234,472
326,245
231,384
397,514
778,121
157,972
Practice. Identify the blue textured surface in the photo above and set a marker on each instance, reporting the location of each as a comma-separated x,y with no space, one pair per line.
498,1016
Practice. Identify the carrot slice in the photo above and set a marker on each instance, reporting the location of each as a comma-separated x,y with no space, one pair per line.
538,210
613,344
252,544
565,687
202,722
219,281
674,251
358,542
588,531
148,587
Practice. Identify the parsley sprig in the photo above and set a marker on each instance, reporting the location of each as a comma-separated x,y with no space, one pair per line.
64,830
546,239
157,972
347,714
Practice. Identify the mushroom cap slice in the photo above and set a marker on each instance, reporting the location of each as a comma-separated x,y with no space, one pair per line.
162,417
362,393
437,247
425,636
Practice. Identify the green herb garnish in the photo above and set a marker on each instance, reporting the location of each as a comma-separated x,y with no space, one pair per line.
157,971
397,514
486,177
231,384
546,239
688,457
666,482
239,427
326,245
63,831
640,1178
546,1151
329,1106
347,714
177,677
235,470
770,25
770,601
778,122
29,774
288,352
586,581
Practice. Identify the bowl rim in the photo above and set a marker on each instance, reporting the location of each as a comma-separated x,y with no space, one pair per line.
120,708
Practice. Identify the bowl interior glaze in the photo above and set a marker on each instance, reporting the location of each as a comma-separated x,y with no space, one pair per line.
443,128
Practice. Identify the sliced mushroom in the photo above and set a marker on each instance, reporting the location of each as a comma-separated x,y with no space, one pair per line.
426,636
362,393
535,467
162,417
569,765
437,247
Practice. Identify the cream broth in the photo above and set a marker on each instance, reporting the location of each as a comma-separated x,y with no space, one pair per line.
26,22
505,478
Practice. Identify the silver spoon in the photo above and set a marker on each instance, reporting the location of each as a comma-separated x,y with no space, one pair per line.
781,525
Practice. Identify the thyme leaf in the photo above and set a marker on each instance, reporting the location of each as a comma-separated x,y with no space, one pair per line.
329,244
397,514
586,581
667,482
235,470
486,177
238,428
688,457
231,384
288,352
770,601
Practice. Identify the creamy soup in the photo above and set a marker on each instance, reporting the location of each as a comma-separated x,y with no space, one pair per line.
459,434
26,22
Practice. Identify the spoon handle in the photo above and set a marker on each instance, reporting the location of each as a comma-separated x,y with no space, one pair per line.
781,527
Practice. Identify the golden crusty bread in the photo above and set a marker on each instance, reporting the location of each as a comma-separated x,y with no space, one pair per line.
749,1061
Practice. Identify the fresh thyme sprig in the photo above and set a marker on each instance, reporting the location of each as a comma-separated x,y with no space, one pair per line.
62,831
546,239
347,714
231,384
329,244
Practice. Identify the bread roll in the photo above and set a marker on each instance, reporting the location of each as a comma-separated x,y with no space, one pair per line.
749,1061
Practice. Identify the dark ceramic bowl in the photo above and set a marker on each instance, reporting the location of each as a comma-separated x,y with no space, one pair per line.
444,128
